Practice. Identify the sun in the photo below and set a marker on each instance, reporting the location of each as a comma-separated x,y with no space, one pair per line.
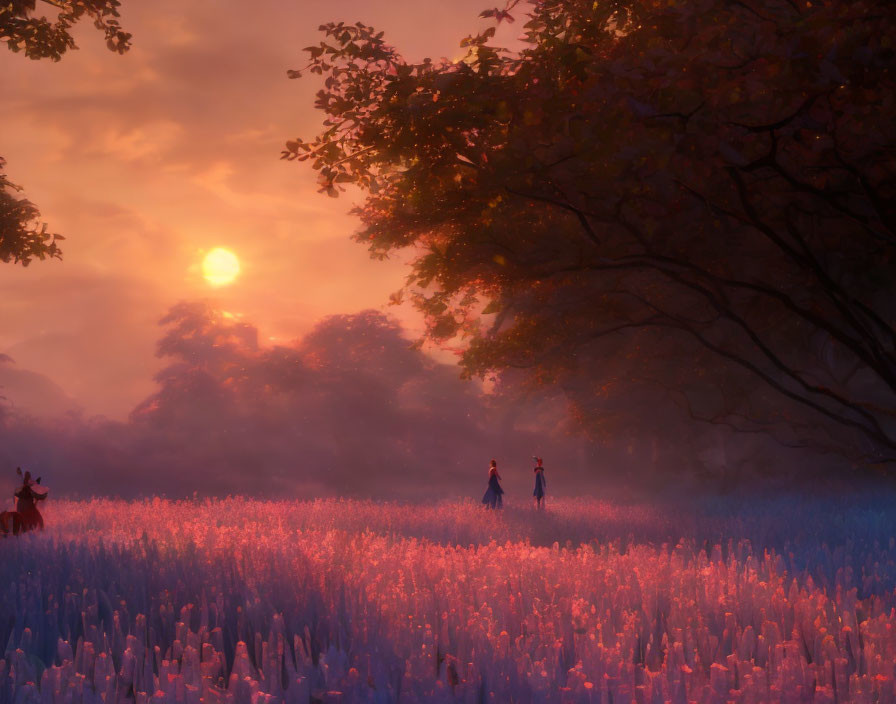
220,267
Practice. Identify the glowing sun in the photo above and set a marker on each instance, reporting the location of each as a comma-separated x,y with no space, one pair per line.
220,267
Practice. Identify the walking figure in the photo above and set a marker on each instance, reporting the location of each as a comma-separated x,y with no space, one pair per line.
539,484
492,498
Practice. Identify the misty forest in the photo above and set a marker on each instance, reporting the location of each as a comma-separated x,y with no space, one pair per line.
626,266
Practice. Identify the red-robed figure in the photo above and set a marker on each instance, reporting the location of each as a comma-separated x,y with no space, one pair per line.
27,497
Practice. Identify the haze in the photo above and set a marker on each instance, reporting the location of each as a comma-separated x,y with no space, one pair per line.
148,160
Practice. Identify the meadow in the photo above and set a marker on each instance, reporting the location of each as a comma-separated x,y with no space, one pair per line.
780,599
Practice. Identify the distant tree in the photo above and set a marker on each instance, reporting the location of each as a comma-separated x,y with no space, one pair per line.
693,198
350,394
22,236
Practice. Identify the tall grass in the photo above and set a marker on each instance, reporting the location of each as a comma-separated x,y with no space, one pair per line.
244,601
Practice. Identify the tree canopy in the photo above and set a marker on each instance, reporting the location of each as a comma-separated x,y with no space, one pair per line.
691,199
22,236
42,37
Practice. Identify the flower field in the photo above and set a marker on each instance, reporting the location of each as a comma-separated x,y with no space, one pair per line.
255,602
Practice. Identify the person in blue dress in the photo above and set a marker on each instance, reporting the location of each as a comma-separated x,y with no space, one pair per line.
539,484
492,498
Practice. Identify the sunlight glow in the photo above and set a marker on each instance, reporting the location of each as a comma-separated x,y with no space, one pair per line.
220,267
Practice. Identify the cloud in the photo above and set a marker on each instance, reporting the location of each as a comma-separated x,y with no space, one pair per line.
149,142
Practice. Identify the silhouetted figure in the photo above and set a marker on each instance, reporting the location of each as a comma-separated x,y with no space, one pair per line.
492,498
539,484
26,505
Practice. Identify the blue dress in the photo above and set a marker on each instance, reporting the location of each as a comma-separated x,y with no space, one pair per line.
492,498
539,483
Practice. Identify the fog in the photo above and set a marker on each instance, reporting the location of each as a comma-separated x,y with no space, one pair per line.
352,408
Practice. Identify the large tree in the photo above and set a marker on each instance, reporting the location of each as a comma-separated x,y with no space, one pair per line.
686,198
22,236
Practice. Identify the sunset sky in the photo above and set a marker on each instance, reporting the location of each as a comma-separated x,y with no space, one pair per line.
147,161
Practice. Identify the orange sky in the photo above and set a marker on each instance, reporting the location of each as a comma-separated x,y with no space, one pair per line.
147,160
